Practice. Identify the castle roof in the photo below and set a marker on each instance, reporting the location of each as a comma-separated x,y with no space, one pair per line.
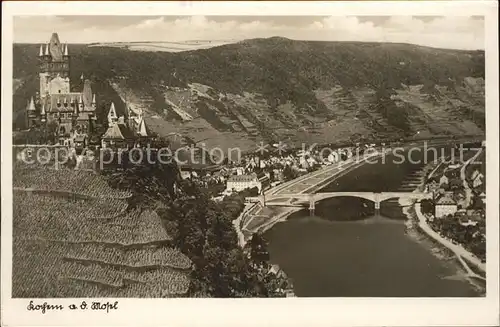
55,48
142,129
118,132
64,102
112,112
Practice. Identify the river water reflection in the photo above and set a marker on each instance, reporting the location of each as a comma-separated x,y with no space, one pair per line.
346,251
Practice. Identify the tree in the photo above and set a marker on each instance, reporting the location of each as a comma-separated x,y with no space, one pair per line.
289,173
427,206
258,249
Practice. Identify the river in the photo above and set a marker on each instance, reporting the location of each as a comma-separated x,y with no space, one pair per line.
347,251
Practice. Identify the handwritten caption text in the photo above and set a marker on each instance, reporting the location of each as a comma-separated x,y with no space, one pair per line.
100,306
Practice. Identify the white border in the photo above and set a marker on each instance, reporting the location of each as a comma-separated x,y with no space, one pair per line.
258,312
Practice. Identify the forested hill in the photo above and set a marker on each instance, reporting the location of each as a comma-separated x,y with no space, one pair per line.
278,88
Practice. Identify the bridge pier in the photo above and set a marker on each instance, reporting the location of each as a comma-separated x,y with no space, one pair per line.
311,206
377,208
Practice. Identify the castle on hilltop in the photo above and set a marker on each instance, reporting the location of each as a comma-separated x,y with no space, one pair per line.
72,112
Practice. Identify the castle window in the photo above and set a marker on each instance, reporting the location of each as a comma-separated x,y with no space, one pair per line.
59,91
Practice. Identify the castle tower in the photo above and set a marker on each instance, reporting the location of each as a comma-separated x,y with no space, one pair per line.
54,63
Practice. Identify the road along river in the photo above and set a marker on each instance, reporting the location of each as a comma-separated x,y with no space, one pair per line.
347,251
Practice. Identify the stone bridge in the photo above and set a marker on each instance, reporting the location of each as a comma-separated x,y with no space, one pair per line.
303,199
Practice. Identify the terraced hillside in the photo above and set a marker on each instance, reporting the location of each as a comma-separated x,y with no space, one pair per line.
76,237
280,89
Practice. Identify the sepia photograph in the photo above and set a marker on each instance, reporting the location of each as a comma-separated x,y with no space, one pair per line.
241,155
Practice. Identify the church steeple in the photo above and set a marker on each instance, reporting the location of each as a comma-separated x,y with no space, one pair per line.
66,50
47,50
40,53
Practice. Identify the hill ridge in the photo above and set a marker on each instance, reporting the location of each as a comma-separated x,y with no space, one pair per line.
265,88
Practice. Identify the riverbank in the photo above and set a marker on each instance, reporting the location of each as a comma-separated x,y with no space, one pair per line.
417,218
238,221
457,249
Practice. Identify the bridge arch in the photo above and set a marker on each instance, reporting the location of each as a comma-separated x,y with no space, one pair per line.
370,196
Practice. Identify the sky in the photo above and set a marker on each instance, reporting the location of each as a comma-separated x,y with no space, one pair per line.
455,32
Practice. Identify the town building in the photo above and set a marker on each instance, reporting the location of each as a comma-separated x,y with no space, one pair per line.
56,102
238,183
445,205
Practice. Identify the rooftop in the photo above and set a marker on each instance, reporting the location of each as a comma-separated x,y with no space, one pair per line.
242,178
446,200
118,132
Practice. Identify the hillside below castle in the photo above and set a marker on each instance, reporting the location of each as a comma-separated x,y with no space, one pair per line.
278,89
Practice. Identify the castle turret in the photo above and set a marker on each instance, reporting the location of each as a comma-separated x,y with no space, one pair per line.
143,129
94,104
43,115
80,104
40,54
31,105
31,113
75,111
66,50
112,117
47,50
